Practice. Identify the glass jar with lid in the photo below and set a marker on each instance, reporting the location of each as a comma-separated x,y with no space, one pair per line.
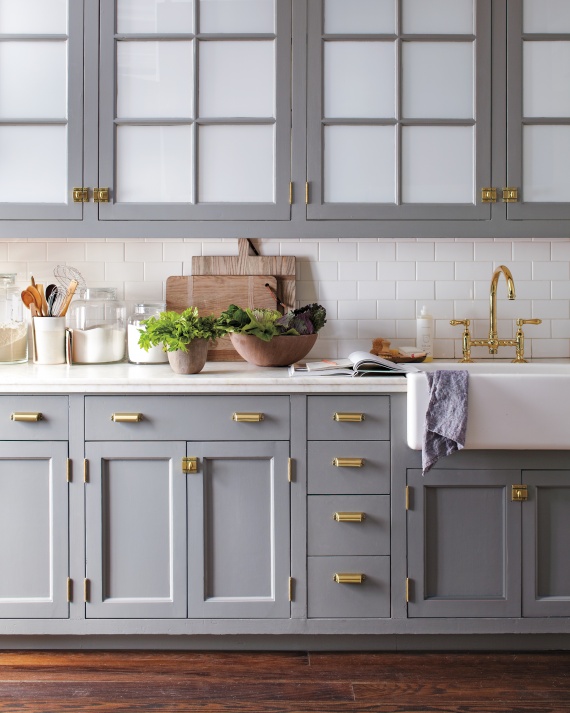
137,355
13,327
98,320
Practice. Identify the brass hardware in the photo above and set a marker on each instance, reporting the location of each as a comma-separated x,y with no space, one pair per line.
510,194
348,462
407,497
488,195
190,465
519,359
348,578
69,589
290,470
290,192
86,590
126,417
307,193
247,417
348,417
85,470
407,590
519,493
349,516
80,195
101,195
26,416
465,338
291,585
68,473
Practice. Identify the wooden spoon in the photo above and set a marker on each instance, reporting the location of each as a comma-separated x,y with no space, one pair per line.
28,298
40,289
37,297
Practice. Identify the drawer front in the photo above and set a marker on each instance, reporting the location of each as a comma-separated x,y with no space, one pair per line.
18,416
348,467
328,599
334,529
375,411
196,418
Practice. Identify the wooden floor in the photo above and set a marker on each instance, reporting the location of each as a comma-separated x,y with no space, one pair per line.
86,682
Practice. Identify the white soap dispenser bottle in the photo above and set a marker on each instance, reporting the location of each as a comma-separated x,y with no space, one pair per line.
424,333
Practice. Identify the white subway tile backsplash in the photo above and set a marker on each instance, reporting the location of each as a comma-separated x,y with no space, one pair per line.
415,290
531,251
396,271
435,270
179,251
161,270
417,252
373,328
23,252
104,252
560,290
302,250
381,290
314,271
493,252
376,252
65,252
124,271
330,290
143,252
356,309
473,270
453,290
550,348
396,309
357,271
551,270
342,252
553,309
534,289
454,251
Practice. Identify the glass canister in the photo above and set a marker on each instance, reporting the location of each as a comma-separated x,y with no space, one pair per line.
99,321
137,355
13,328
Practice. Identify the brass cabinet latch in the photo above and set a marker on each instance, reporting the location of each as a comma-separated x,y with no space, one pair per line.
510,194
80,195
101,195
519,493
488,195
190,465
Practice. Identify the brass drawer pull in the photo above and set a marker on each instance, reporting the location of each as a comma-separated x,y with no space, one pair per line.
247,417
348,417
349,516
26,416
348,462
348,578
126,417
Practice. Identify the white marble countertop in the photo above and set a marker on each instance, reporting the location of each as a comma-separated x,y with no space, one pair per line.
216,377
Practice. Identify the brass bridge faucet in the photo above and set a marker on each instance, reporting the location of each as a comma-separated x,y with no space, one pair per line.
493,342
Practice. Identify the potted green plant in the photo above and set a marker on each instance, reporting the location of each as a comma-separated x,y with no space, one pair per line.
266,337
184,336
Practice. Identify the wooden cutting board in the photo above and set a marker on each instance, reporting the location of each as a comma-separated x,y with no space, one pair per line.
282,267
212,294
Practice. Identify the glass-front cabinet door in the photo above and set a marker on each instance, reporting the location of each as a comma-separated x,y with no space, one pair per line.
538,121
198,125
399,109
41,109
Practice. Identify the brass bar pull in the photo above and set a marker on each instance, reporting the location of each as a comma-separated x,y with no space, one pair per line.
348,578
348,462
349,516
26,416
247,417
126,417
348,417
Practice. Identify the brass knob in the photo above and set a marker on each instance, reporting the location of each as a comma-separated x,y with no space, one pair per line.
349,516
348,417
126,417
349,578
247,417
26,416
348,462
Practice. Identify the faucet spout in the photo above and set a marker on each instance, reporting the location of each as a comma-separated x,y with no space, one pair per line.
493,334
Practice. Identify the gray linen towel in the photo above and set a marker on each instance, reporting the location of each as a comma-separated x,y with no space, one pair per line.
446,416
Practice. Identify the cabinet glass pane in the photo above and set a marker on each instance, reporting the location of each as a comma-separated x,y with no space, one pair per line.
237,79
33,82
438,17
546,16
437,164
546,69
546,157
33,154
359,164
33,16
237,16
359,79
360,16
236,164
154,79
437,80
154,164
144,16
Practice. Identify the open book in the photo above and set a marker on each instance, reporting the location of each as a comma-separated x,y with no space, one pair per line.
357,364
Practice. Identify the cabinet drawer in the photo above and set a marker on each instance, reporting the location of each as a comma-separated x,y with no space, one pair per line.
333,527
196,418
327,598
18,416
348,467
323,412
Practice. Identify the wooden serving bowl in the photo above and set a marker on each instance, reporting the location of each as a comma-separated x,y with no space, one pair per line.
279,351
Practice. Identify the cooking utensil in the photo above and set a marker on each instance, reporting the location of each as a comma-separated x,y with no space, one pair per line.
65,275
49,289
40,289
36,297
28,298
68,297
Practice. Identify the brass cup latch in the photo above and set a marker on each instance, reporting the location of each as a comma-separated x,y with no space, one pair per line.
349,577
349,516
348,462
126,417
247,417
348,417
26,416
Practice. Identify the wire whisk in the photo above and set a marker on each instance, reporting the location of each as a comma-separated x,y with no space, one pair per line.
64,274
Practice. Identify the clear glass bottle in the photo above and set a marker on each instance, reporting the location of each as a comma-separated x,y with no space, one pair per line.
13,327
137,355
99,321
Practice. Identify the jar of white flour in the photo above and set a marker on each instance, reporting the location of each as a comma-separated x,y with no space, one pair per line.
98,322
13,328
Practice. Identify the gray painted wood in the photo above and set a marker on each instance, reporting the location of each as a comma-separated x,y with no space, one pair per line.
546,533
374,427
327,599
136,530
464,544
33,530
53,424
238,530
326,478
174,418
298,495
327,536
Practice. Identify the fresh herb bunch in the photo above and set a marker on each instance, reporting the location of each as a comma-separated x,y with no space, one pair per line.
268,323
176,330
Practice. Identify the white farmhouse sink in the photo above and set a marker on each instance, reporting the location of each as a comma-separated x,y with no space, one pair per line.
511,406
